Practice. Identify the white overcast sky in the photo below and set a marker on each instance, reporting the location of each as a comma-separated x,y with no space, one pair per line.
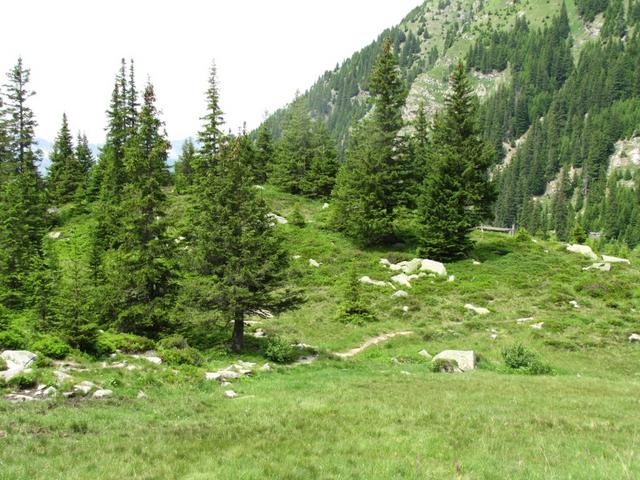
265,50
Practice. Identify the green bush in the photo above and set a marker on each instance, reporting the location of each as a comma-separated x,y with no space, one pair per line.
297,219
181,356
85,338
51,347
12,339
442,365
125,342
520,358
353,309
523,235
280,350
23,381
173,341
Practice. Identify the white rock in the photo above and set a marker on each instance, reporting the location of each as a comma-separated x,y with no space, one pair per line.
433,266
325,206
475,262
244,364
153,359
405,309
466,359
297,257
494,336
610,259
424,353
582,250
55,235
385,262
259,333
603,267
265,368
225,384
141,395
102,393
49,392
258,187
574,304
399,294
478,310
452,278
313,263
520,321
403,279
16,398
634,337
17,362
230,394
212,376
278,218
537,326
378,283
84,387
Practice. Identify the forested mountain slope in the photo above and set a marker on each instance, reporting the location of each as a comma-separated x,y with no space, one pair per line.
558,84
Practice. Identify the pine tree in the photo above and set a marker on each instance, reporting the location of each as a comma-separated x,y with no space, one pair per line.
264,154
84,155
210,136
457,195
22,210
374,180
184,167
66,173
140,281
238,256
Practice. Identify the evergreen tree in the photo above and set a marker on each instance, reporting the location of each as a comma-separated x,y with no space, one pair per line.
84,155
373,182
139,275
66,173
238,258
210,136
264,154
22,209
184,167
457,195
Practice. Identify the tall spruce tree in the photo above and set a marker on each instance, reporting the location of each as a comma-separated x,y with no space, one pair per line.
373,182
238,255
264,153
139,275
457,194
22,210
66,174
211,135
184,167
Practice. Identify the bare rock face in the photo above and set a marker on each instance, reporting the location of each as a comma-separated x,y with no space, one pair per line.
582,250
603,267
465,359
399,294
102,393
634,337
370,281
278,218
17,362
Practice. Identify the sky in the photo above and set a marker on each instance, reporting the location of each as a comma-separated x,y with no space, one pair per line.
265,50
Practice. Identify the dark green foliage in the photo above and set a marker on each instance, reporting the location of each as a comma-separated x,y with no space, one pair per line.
175,350
353,308
280,350
579,234
588,9
66,174
374,182
125,342
52,347
297,219
23,381
264,154
184,167
443,366
12,339
22,211
305,159
3,364
456,195
614,23
210,136
237,257
520,359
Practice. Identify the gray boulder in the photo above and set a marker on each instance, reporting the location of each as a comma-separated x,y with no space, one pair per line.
17,362
465,359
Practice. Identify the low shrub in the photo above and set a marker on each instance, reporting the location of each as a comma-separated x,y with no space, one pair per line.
280,350
523,235
297,219
181,356
519,358
125,342
442,365
12,339
353,309
173,341
23,381
51,347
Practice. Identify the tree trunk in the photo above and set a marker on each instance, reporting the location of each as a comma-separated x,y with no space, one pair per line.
237,339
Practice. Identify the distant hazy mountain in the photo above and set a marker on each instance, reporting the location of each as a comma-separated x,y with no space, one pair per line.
46,146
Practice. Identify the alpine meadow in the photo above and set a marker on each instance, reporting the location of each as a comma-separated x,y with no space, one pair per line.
425,266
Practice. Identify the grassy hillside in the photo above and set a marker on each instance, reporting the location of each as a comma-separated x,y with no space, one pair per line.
381,413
